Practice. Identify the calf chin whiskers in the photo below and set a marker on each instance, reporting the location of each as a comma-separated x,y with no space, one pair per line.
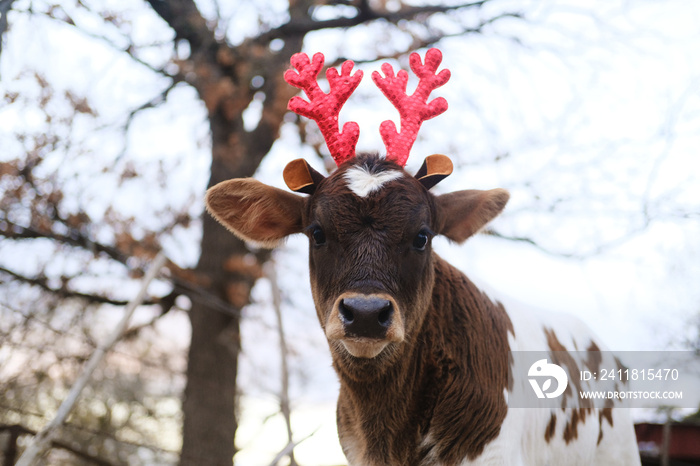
364,369
364,348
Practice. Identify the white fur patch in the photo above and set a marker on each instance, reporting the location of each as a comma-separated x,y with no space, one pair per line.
362,182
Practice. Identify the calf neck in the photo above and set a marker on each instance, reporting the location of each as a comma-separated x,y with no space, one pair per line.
442,400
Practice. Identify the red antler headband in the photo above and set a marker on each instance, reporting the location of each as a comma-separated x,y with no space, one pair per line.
324,108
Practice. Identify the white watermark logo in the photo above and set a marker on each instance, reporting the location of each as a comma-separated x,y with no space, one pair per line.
544,370
627,379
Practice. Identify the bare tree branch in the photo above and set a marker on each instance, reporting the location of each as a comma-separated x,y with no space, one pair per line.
364,14
185,19
421,43
129,49
73,238
599,249
77,239
5,6
153,103
83,429
63,292
17,430
44,438
289,448
285,405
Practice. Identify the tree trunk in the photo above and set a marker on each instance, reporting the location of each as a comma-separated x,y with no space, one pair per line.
210,396
222,76
227,268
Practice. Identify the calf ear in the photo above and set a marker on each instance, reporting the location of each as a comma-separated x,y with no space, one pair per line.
256,212
463,213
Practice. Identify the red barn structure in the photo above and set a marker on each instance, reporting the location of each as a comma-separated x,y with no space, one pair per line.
682,440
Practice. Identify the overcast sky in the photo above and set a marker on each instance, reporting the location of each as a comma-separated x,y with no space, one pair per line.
589,115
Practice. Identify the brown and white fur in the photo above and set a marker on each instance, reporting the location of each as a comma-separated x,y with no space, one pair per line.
426,382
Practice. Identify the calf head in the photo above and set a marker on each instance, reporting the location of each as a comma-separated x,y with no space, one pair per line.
370,225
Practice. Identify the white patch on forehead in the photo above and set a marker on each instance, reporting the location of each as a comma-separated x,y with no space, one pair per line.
362,182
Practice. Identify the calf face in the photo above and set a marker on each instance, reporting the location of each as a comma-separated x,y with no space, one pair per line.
370,225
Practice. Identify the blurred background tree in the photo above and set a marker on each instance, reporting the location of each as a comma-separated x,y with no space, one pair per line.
118,115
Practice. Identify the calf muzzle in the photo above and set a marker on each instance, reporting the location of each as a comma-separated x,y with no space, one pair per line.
366,316
364,324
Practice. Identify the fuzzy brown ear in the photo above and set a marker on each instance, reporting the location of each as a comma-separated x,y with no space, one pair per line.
463,213
301,177
256,212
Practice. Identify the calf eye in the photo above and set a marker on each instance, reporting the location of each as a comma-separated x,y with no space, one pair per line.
319,236
420,241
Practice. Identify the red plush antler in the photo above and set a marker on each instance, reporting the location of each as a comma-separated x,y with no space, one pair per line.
414,110
322,107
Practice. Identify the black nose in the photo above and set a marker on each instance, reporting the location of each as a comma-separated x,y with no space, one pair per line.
366,316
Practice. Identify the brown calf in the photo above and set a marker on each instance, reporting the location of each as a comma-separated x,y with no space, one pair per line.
409,334
423,356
